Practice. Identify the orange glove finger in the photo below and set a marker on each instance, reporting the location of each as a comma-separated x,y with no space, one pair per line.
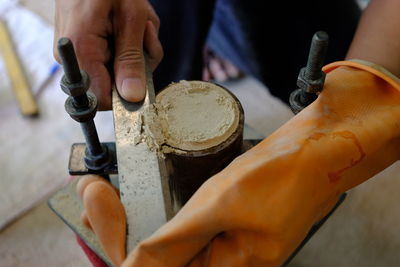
105,214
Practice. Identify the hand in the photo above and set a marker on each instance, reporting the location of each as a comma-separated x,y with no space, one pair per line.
111,33
217,68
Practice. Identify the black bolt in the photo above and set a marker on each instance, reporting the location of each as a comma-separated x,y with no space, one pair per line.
71,69
311,78
81,107
70,63
316,57
92,139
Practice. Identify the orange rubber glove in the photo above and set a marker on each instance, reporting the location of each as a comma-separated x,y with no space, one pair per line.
104,214
257,210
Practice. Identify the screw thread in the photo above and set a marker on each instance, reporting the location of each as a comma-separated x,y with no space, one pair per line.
69,61
316,57
71,69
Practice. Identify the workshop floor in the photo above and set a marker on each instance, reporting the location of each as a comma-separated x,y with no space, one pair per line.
362,232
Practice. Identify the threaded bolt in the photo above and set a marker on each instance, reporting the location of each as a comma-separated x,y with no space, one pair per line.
69,61
316,57
71,69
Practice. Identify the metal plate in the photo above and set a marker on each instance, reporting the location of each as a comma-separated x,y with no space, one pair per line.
68,206
142,173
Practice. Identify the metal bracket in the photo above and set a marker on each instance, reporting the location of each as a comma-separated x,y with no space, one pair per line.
77,166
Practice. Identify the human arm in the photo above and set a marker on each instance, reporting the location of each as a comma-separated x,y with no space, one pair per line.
377,38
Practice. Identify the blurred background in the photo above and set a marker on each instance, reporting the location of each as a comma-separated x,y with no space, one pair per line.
34,154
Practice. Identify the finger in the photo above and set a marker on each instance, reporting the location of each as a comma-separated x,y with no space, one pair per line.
217,70
85,181
85,220
55,45
106,215
154,18
129,66
57,29
231,70
100,84
153,45
93,53
206,74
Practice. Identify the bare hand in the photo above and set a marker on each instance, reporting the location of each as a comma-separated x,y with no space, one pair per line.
111,33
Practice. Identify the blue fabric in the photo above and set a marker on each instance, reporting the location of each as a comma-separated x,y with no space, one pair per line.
228,39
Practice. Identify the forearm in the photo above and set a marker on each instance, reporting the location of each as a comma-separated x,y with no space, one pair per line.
378,35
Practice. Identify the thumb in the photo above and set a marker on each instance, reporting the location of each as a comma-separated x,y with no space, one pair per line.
129,65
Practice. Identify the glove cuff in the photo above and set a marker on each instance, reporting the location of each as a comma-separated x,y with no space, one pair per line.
370,67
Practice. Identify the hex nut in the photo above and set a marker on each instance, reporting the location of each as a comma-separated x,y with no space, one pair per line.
75,89
294,100
82,115
97,162
308,85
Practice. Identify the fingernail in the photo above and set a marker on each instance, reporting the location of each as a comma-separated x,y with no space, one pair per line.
133,89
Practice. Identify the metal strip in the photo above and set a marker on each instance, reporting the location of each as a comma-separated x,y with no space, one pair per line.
142,176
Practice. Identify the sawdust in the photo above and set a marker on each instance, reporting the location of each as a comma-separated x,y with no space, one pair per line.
189,116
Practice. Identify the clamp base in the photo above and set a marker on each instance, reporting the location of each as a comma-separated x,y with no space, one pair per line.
77,166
